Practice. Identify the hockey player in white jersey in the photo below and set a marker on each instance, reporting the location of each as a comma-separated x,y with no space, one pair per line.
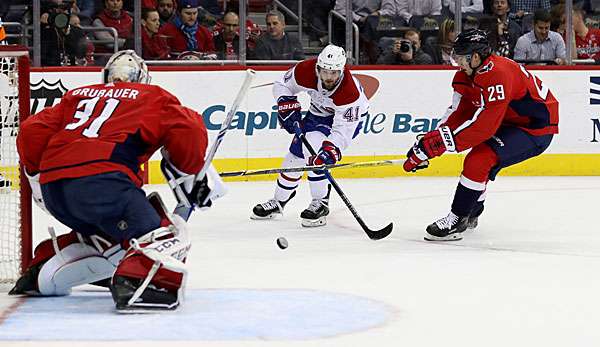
337,104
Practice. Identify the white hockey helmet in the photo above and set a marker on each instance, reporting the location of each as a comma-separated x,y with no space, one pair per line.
332,57
126,66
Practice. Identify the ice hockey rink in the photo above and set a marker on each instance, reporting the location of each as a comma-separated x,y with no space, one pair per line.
527,276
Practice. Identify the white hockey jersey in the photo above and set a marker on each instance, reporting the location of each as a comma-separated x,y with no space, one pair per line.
347,102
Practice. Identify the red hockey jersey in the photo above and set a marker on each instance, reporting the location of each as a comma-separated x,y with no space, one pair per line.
501,93
111,127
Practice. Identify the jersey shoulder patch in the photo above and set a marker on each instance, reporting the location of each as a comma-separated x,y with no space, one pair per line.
347,92
496,70
305,73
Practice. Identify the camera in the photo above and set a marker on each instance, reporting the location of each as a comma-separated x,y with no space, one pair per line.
405,46
59,14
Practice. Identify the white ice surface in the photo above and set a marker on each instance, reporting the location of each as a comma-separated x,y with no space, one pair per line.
528,276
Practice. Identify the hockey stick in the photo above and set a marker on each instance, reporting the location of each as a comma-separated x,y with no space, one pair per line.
181,209
311,168
372,234
262,85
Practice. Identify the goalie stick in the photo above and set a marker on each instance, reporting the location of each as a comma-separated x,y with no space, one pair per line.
181,209
372,234
311,168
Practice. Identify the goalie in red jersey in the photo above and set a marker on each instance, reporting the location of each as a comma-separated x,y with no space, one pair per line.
82,158
500,111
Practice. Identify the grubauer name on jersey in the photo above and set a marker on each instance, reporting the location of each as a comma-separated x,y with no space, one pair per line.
347,102
501,93
111,127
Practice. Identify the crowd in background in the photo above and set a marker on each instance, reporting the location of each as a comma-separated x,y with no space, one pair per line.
420,32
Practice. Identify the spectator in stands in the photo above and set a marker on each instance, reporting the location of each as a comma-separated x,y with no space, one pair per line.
227,38
86,10
184,33
470,22
386,18
467,6
276,44
587,40
62,40
418,8
541,44
166,11
504,31
113,16
154,46
441,49
406,51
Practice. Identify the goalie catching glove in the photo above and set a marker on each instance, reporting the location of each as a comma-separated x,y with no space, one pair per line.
189,190
432,144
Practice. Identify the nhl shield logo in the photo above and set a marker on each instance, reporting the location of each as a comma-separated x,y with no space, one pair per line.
46,94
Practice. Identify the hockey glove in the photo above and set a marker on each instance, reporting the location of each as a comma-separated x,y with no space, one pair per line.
328,154
289,112
189,190
431,145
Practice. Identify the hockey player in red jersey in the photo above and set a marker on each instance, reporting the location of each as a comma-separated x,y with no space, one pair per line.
83,157
337,104
500,111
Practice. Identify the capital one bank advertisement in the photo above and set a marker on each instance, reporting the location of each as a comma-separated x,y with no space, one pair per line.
404,103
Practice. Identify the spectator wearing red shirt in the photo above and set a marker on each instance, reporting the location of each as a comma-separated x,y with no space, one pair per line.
587,40
185,33
154,46
113,16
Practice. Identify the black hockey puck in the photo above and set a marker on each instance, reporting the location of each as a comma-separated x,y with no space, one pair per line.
282,243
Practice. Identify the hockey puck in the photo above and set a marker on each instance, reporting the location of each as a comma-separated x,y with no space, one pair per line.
282,243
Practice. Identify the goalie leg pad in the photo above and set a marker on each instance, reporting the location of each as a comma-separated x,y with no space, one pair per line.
152,274
70,260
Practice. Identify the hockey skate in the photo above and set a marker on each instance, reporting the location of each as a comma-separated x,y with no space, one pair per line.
270,209
449,228
472,221
151,299
315,215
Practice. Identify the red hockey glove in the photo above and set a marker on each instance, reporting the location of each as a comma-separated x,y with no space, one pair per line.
328,154
431,145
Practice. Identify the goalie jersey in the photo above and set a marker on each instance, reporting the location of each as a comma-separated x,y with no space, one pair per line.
501,93
111,127
347,102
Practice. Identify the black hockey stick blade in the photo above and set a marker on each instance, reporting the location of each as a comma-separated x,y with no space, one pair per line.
381,233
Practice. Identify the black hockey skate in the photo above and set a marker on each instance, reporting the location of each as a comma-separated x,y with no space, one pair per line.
27,283
315,214
270,209
449,228
152,299
472,221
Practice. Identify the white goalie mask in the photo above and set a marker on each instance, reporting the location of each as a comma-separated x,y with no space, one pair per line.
126,66
331,58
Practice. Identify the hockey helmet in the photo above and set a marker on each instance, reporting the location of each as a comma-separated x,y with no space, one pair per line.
126,66
472,41
332,57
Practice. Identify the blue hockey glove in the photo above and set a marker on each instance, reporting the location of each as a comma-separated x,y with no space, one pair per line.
289,112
